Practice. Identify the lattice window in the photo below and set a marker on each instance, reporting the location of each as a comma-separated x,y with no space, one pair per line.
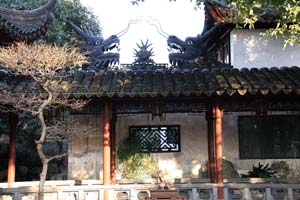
273,137
157,138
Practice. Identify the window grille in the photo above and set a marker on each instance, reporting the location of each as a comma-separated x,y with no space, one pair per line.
157,139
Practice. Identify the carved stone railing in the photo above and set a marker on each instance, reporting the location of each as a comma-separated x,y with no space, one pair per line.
93,190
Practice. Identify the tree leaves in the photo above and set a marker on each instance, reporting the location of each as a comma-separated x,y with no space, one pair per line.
249,12
60,33
288,22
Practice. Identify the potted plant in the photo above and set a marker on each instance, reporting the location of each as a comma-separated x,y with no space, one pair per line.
134,164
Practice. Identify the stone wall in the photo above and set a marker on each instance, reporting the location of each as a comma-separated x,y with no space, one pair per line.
85,149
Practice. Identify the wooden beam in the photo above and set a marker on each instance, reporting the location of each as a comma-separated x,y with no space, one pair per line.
210,145
219,149
106,114
11,173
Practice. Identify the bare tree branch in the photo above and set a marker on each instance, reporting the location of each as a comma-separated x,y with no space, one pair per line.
40,65
57,157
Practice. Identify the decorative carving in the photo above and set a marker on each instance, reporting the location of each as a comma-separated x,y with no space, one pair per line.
157,138
184,52
143,55
191,53
103,53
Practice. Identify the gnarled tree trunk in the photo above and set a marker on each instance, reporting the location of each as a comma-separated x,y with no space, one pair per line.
43,174
39,146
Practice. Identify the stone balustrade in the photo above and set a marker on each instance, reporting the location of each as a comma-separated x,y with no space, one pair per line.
93,190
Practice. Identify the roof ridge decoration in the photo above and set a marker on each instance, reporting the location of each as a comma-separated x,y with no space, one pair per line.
184,55
143,55
27,24
191,53
103,53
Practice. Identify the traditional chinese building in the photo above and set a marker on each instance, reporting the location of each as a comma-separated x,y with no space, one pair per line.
214,103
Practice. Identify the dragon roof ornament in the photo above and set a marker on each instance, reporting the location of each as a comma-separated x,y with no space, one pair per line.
191,53
103,53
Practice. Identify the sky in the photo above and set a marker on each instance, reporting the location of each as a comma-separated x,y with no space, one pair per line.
176,18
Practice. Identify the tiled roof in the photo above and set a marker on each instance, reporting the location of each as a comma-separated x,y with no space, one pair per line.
215,14
28,24
218,12
197,82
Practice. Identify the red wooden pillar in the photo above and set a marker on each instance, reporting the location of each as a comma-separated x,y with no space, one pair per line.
113,149
219,149
210,144
11,173
106,114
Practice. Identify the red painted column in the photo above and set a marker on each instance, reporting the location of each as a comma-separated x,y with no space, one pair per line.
113,150
106,114
210,145
219,149
11,173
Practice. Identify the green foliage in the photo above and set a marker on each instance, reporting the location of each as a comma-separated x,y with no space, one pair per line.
59,32
261,171
287,25
133,163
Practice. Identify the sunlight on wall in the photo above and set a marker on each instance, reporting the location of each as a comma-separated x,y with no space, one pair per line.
195,170
169,168
250,43
84,172
250,49
6,197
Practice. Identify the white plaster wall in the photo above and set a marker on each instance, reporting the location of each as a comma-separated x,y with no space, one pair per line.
250,49
193,128
85,155
85,159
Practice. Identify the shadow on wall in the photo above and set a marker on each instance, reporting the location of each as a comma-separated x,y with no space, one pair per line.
254,49
249,48
191,168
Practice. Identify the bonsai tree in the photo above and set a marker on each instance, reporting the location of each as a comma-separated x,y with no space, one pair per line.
42,66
